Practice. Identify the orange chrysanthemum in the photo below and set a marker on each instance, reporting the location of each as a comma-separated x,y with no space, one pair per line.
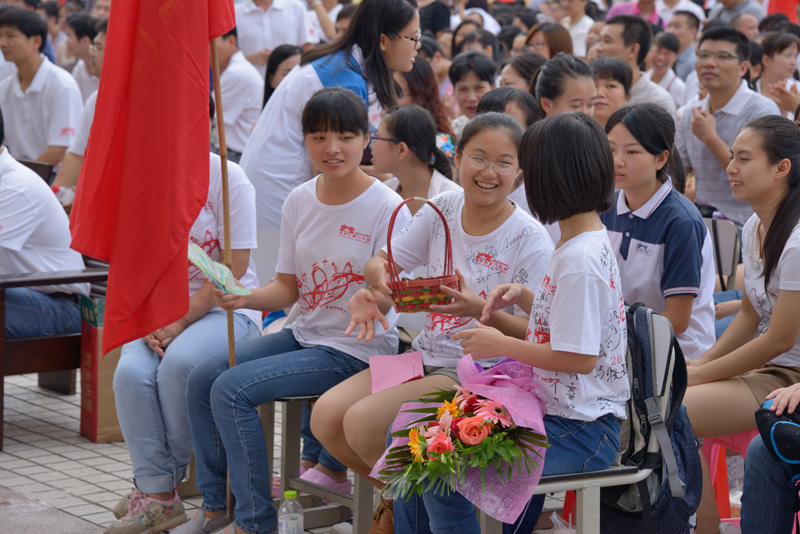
416,445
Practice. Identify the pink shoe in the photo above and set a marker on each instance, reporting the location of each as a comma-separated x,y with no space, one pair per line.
276,483
321,479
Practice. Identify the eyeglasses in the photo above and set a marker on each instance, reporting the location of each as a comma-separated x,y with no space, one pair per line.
705,55
376,138
530,47
479,163
414,39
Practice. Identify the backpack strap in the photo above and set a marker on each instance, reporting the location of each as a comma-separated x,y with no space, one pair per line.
654,417
648,524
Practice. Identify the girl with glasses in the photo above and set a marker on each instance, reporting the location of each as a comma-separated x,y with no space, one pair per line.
494,242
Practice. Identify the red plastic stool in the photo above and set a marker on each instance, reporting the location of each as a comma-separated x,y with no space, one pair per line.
714,451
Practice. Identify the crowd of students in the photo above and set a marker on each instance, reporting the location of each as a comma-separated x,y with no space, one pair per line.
573,148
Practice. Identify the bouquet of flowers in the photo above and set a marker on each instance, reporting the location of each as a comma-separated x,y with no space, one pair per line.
472,439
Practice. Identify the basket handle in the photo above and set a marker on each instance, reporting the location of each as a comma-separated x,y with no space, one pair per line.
448,258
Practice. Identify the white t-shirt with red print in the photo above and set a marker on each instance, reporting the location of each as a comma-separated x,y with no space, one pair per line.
326,247
516,252
579,308
208,231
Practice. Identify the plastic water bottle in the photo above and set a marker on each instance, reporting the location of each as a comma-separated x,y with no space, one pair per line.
65,195
290,515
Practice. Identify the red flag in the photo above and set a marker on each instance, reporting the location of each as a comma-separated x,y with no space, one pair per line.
145,175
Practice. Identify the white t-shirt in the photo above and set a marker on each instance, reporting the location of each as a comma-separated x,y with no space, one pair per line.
242,94
47,114
208,229
326,248
786,277
439,184
284,22
275,158
578,33
672,84
34,229
87,83
516,252
520,199
316,28
81,139
579,308
666,12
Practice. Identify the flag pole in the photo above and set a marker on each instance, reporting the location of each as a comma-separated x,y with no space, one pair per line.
226,214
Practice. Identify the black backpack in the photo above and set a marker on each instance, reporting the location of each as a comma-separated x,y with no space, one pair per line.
656,435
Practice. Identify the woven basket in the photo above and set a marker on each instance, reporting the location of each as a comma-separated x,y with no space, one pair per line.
411,296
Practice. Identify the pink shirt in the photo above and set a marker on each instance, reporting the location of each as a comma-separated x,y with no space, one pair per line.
632,8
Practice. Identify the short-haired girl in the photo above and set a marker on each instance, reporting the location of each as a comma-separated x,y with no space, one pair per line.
613,83
760,351
472,75
518,103
494,242
565,83
662,245
576,338
331,226
405,147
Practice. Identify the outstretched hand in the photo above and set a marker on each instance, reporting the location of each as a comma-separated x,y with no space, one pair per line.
481,342
364,312
226,301
501,297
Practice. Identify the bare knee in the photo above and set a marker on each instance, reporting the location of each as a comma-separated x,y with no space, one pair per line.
326,420
364,431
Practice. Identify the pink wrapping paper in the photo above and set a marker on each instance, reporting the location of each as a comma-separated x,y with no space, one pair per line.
512,384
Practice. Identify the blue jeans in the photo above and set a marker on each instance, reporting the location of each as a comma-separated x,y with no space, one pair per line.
720,325
575,447
30,313
225,425
768,495
150,394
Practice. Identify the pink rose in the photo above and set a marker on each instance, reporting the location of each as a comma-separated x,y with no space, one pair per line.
441,444
472,430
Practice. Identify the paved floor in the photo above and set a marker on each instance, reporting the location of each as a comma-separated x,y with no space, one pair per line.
58,477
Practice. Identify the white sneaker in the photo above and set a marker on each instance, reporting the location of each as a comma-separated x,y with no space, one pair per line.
342,528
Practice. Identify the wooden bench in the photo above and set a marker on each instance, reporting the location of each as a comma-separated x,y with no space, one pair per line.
55,358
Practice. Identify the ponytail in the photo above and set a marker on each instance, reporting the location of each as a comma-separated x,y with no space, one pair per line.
416,127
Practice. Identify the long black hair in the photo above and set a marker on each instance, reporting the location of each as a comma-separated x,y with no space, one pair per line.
415,126
372,19
654,129
278,56
780,140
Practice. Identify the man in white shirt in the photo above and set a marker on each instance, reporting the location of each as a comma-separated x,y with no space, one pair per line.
685,25
628,37
42,103
667,8
34,238
70,168
708,128
81,30
578,23
264,24
242,94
